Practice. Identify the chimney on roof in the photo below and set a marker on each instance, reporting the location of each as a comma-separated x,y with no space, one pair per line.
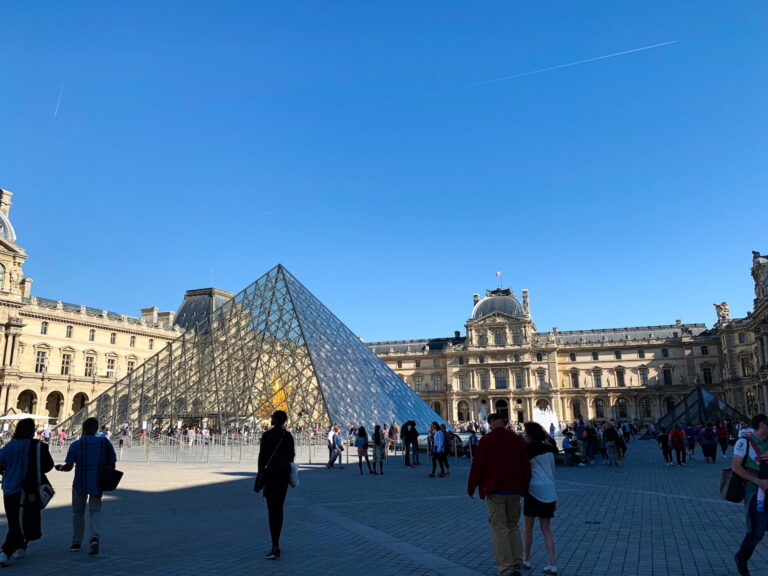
149,314
166,319
456,334
475,298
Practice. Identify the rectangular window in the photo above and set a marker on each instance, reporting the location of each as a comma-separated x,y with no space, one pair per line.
66,364
519,381
91,335
436,383
500,379
704,351
707,373
598,379
643,377
542,382
44,328
435,363
484,381
110,367
461,360
69,332
539,356
572,356
418,363
742,338
112,338
498,337
481,359
417,383
90,365
620,382
462,381
595,355
575,379
617,354
131,366
665,352
399,363
667,377
41,361
641,353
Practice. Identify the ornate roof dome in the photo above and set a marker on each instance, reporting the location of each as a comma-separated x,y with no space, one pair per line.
499,300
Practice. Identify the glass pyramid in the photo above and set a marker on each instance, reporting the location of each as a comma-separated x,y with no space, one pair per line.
701,406
273,346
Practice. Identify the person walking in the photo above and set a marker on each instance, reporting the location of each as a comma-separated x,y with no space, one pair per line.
89,456
276,452
541,500
750,454
501,471
379,449
663,441
611,437
361,443
678,440
438,450
338,448
18,465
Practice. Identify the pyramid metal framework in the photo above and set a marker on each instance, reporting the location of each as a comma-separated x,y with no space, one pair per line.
272,346
700,405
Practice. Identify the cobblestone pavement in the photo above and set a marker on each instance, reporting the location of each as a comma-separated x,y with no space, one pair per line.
193,517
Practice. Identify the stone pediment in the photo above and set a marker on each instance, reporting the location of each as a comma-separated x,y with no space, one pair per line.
495,319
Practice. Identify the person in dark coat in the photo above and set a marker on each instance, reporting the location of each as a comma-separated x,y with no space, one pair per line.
275,456
18,465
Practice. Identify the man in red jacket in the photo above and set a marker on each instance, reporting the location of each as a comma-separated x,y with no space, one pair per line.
502,472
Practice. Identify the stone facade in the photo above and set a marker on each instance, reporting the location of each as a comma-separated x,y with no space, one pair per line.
503,364
57,356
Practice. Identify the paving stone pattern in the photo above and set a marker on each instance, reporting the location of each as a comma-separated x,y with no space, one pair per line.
185,516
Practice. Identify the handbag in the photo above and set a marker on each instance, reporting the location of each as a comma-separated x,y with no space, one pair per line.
45,491
293,479
109,476
732,486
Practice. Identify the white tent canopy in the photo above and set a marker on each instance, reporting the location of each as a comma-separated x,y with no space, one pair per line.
24,415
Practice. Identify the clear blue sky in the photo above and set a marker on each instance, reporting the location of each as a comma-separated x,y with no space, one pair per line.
152,146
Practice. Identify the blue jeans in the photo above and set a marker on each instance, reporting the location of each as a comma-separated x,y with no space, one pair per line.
415,451
759,524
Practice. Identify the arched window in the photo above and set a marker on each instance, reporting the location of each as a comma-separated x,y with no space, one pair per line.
599,408
133,341
2,277
69,332
44,328
91,335
151,343
112,338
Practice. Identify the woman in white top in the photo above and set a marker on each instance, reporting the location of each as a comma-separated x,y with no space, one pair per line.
541,500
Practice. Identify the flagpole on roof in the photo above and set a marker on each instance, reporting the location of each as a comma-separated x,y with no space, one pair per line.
498,275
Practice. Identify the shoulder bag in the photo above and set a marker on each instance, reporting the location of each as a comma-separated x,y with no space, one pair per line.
44,489
109,476
732,486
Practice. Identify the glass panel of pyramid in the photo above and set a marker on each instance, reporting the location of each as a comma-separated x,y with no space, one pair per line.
272,346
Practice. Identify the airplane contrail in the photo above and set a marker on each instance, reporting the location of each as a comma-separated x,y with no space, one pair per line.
549,69
58,101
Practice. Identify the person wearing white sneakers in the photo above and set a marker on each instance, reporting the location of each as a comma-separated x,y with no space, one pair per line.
18,465
541,500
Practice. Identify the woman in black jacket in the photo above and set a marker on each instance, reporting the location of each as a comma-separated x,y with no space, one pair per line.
275,456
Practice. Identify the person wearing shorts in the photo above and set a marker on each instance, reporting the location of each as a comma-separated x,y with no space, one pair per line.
541,500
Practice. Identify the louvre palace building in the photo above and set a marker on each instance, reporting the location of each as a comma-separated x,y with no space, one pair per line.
58,356
503,364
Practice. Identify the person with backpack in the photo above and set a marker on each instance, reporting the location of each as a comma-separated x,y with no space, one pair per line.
750,454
